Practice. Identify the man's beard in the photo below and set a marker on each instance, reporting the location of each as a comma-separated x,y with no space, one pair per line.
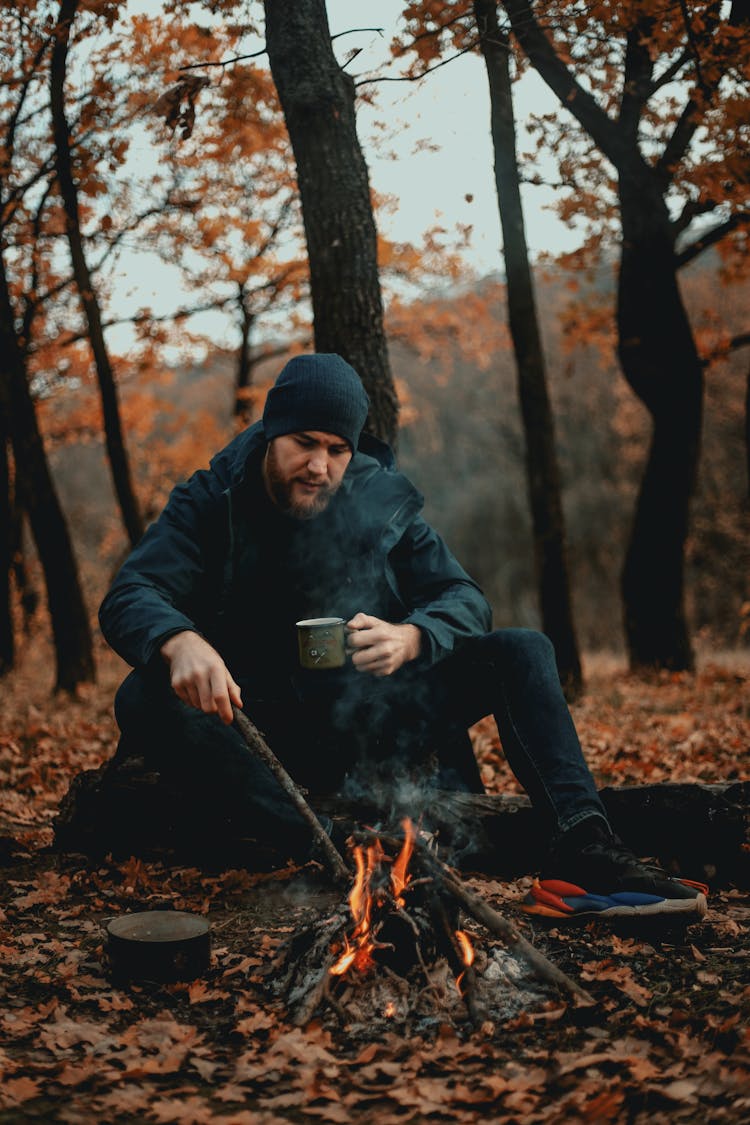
281,492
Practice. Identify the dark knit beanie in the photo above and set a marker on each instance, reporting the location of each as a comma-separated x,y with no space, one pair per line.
317,392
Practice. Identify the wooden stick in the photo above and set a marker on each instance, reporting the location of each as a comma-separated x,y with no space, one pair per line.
516,942
445,934
258,746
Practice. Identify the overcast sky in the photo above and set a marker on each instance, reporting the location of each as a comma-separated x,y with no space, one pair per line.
448,109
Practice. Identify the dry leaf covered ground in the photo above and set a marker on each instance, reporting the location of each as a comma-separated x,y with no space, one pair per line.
667,1041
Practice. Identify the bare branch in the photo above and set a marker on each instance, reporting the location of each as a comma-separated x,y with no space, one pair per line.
357,51
225,62
740,341
162,208
693,47
670,73
30,304
679,142
13,202
417,77
711,238
433,31
690,211
12,124
354,30
154,318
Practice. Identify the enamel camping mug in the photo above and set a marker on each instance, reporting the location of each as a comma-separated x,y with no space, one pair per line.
322,642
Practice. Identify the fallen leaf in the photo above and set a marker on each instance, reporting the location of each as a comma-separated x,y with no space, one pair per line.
17,1090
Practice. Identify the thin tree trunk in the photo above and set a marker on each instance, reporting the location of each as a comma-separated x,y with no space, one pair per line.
542,472
747,431
318,102
37,494
118,457
7,640
25,588
244,364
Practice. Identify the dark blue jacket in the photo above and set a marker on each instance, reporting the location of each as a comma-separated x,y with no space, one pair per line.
200,562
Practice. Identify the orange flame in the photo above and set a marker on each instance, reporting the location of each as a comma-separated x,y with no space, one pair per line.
358,949
467,953
343,962
390,1010
467,949
399,875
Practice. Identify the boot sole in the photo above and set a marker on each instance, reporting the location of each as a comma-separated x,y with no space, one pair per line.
672,906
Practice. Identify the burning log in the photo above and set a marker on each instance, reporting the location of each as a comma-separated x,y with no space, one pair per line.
402,922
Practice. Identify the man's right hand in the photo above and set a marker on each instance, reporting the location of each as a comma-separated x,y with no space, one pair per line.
199,676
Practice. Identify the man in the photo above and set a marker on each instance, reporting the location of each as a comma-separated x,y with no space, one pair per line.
304,516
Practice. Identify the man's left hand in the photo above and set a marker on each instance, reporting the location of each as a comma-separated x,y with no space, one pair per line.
380,648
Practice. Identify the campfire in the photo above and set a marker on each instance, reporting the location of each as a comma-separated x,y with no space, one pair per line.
391,946
396,947
377,892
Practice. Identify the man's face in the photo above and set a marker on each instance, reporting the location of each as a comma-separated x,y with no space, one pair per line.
302,471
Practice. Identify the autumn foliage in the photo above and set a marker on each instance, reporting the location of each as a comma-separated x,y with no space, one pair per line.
667,1040
193,169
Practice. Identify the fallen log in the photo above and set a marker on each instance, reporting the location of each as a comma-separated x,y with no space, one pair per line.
700,831
694,830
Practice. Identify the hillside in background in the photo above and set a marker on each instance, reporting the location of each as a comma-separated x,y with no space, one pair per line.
463,447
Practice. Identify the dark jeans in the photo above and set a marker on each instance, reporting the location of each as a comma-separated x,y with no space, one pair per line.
357,732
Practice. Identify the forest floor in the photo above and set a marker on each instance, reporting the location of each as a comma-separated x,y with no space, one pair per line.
666,1041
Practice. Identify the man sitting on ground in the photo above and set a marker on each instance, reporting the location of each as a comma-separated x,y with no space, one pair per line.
305,516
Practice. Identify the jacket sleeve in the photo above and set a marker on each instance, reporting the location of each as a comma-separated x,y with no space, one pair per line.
160,588
442,600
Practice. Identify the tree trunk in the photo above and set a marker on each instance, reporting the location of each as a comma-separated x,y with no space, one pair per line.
660,362
655,344
747,431
541,460
244,364
36,491
116,451
318,102
25,588
7,641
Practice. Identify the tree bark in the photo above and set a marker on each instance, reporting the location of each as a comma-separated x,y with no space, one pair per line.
244,364
655,343
7,640
116,450
542,472
25,588
317,98
747,431
37,494
661,363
